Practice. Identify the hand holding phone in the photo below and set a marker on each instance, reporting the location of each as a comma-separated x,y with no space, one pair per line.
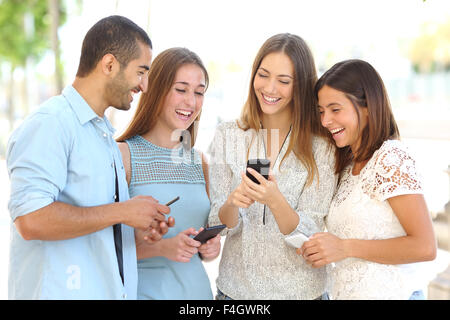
171,220
209,233
159,228
181,247
262,166
210,250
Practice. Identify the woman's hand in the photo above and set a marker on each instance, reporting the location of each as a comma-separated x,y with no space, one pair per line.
322,249
210,249
182,247
155,232
266,192
239,197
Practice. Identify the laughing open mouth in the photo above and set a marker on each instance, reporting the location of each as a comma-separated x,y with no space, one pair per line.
337,131
184,114
270,100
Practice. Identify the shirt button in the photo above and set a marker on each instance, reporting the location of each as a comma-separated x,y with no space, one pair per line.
105,135
124,296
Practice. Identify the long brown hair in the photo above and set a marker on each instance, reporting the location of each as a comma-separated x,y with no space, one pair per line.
305,120
363,86
160,80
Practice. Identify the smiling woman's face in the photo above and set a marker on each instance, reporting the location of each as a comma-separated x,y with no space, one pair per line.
184,101
274,82
339,116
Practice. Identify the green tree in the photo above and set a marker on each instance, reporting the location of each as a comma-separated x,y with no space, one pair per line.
430,52
56,15
24,35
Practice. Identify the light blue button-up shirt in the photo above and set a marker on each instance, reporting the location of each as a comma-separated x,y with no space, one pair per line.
65,152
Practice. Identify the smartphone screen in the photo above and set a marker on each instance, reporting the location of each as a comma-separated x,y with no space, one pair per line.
262,166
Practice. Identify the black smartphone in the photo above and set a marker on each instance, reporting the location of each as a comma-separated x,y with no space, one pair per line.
172,201
262,166
209,233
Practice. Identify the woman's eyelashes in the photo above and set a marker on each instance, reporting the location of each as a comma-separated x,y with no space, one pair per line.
262,75
199,93
282,81
334,110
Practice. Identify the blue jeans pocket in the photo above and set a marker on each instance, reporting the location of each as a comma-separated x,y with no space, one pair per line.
222,296
417,295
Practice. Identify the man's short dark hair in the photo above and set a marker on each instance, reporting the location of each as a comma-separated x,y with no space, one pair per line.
116,35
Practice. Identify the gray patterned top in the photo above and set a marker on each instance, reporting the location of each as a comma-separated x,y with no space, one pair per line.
256,262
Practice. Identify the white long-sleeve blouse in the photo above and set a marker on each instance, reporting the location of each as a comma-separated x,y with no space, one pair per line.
256,262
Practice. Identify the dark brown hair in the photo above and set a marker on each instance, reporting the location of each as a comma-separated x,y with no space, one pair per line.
363,86
160,80
305,120
116,35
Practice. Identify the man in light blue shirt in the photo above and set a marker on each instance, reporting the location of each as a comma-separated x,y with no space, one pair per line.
65,166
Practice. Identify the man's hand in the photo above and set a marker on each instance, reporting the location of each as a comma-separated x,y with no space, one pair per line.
144,212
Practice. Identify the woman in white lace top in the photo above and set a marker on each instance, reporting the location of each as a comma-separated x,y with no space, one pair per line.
378,222
278,123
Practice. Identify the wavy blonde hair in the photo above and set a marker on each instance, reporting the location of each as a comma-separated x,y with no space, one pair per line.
305,118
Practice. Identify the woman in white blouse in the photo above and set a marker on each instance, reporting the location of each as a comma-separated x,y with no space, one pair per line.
278,123
378,221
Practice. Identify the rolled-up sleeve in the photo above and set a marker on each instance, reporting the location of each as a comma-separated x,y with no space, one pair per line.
37,155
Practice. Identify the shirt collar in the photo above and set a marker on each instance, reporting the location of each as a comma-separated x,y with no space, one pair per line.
109,125
81,108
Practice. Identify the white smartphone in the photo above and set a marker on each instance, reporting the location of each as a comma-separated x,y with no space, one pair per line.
296,240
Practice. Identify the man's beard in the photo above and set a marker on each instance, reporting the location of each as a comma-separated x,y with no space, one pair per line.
117,92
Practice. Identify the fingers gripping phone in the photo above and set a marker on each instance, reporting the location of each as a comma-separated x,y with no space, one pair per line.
262,166
209,233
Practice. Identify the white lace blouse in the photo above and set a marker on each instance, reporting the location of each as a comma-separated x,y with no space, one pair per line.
360,210
256,262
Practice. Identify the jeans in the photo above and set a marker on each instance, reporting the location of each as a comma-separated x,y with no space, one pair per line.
417,295
222,296
324,296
